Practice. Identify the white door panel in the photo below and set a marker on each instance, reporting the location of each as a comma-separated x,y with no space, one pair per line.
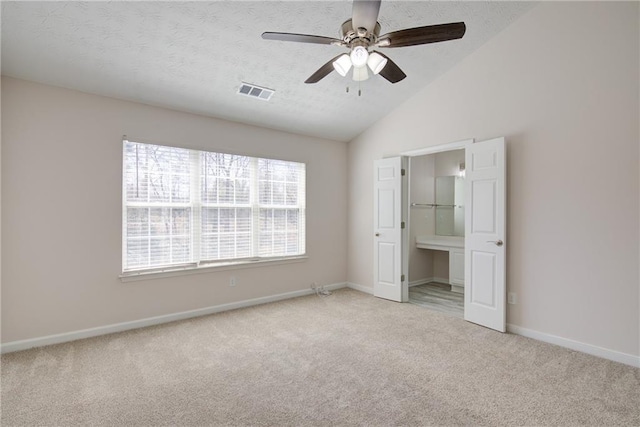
485,247
386,217
389,235
387,270
483,270
483,193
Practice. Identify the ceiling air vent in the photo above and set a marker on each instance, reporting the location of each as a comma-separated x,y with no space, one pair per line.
254,91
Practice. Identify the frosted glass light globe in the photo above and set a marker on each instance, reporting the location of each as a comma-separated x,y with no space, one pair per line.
342,64
359,56
360,74
376,62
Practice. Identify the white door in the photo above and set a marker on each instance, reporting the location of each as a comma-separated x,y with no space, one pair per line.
485,239
388,220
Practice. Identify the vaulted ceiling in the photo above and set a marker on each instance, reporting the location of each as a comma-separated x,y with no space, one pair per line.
193,56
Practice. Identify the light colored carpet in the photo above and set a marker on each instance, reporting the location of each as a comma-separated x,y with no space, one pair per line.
346,359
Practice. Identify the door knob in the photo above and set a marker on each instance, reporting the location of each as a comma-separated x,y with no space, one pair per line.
377,234
496,242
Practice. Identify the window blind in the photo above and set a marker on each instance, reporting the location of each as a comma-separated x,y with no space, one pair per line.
186,207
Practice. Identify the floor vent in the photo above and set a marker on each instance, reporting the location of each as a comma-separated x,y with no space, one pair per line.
254,91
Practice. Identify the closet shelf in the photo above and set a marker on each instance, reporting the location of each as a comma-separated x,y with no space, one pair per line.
431,205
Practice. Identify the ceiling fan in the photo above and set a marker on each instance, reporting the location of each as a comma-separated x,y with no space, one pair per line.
360,34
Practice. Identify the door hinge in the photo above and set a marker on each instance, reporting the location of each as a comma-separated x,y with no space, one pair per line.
402,278
403,172
402,224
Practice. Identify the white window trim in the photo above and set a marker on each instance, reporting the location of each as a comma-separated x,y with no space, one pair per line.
188,269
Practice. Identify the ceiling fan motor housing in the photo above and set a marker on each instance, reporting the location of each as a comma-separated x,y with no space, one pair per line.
365,37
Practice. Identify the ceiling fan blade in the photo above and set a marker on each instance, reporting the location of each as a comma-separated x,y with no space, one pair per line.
365,14
300,38
423,35
322,71
391,71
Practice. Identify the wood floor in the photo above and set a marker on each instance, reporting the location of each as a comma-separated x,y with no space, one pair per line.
438,297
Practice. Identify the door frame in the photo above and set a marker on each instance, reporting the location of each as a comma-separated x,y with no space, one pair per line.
450,146
440,148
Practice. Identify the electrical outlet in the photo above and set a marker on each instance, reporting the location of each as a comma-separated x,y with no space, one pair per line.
232,281
512,298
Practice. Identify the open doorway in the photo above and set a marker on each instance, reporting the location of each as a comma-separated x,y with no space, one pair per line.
436,231
477,260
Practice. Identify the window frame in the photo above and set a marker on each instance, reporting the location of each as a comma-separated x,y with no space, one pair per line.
197,204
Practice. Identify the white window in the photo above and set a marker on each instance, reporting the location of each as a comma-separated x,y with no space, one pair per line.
187,208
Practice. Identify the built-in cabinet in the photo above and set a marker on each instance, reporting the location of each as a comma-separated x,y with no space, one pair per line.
455,247
456,269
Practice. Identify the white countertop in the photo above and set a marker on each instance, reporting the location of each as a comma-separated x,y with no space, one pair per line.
439,242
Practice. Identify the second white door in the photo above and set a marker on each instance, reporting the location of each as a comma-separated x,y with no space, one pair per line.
389,233
485,238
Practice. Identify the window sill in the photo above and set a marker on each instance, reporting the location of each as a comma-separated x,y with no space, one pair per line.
134,276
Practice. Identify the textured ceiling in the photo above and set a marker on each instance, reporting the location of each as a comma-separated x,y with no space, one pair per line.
192,56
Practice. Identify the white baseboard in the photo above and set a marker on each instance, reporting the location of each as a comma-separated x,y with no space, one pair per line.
613,355
420,282
616,356
150,321
365,289
429,280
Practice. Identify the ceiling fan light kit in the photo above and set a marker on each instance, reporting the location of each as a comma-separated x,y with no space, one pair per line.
374,61
360,33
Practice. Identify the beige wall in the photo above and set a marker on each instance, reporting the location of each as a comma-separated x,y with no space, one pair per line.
61,211
561,84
